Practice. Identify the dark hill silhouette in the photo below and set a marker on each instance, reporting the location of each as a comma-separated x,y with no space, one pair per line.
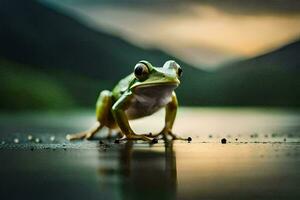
50,60
286,57
268,79
83,61
34,34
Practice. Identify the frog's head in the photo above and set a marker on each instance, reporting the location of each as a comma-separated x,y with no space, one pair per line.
147,75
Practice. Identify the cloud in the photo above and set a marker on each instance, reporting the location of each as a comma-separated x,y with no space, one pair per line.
201,34
231,6
255,6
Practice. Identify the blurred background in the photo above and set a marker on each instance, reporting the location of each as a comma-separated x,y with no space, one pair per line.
241,69
58,54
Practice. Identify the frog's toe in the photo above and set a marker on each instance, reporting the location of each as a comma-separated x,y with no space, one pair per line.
77,136
138,137
151,135
170,135
175,137
88,136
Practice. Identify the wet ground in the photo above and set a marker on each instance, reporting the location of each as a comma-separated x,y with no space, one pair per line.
260,160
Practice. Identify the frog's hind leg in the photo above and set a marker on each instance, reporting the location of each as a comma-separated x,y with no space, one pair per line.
103,115
86,134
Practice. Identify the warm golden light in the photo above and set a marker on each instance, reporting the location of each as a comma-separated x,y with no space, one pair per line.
199,34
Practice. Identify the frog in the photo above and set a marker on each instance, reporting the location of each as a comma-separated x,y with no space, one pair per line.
142,93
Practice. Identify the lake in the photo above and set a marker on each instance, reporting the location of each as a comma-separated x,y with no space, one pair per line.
260,160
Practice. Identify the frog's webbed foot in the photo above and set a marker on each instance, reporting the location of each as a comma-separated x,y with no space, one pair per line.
151,135
138,137
77,136
89,134
165,134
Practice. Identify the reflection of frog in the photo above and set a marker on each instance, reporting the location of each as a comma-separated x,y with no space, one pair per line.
138,172
140,94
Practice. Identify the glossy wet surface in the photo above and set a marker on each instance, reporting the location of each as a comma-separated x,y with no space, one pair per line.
261,159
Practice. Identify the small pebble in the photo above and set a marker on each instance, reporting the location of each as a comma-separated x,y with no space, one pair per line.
223,141
52,138
37,140
117,141
16,140
210,136
29,137
154,141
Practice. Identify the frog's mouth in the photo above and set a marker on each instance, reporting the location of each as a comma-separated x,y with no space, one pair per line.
156,84
155,88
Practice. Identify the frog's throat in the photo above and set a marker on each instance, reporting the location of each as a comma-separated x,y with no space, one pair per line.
157,83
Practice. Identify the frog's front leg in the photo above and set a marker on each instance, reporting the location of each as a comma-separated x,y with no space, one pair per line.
121,119
171,110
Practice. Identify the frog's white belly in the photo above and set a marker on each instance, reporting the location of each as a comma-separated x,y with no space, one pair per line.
149,99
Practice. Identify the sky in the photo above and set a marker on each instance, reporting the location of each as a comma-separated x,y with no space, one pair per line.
205,33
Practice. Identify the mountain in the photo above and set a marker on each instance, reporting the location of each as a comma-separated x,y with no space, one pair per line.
79,59
286,57
50,60
270,79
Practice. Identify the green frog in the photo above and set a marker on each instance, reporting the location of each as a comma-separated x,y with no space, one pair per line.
140,94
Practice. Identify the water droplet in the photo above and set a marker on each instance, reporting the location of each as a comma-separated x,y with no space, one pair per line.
16,140
52,138
29,137
37,140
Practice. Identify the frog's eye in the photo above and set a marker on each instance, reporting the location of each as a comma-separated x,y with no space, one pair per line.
171,64
141,71
179,72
